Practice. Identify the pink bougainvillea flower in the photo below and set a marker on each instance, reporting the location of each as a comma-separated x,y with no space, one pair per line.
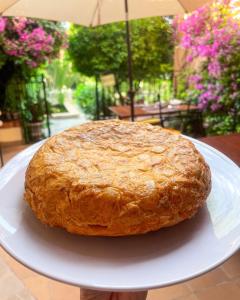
12,52
214,69
24,37
32,64
27,41
195,78
215,106
38,33
49,40
19,23
2,24
37,46
199,86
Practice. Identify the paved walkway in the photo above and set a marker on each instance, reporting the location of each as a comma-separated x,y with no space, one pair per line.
62,121
11,287
60,124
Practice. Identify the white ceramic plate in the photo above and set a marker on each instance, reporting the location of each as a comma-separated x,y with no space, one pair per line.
129,263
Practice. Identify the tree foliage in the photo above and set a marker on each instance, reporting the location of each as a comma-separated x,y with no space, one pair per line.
103,49
60,74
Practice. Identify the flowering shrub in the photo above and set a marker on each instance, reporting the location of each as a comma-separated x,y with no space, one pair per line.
212,34
29,42
25,44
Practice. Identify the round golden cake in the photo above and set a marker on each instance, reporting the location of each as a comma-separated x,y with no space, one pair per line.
114,178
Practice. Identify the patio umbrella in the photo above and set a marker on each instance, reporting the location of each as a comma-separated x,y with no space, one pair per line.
99,12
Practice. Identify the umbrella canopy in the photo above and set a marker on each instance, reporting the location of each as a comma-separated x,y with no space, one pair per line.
96,12
99,12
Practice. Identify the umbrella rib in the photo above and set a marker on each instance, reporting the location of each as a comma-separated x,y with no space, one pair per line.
9,6
183,6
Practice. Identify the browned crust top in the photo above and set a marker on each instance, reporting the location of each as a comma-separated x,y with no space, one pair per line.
116,178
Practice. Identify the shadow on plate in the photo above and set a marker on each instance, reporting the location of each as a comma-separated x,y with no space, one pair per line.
122,250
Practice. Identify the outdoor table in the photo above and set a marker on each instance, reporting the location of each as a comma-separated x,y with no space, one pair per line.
124,111
228,144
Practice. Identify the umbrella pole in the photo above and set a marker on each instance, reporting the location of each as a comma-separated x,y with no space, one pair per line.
97,98
130,76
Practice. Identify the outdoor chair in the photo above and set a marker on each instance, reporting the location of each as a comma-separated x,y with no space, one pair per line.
172,120
154,120
189,122
192,123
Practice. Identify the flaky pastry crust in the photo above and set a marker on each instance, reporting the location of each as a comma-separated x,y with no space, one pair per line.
114,178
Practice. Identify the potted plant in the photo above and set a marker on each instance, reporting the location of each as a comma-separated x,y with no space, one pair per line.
34,115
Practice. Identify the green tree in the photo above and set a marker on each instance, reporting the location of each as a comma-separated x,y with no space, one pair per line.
59,73
103,49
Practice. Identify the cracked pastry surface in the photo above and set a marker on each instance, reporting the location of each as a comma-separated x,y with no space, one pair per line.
113,178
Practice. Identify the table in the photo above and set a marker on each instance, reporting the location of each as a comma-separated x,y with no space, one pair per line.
124,111
228,144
